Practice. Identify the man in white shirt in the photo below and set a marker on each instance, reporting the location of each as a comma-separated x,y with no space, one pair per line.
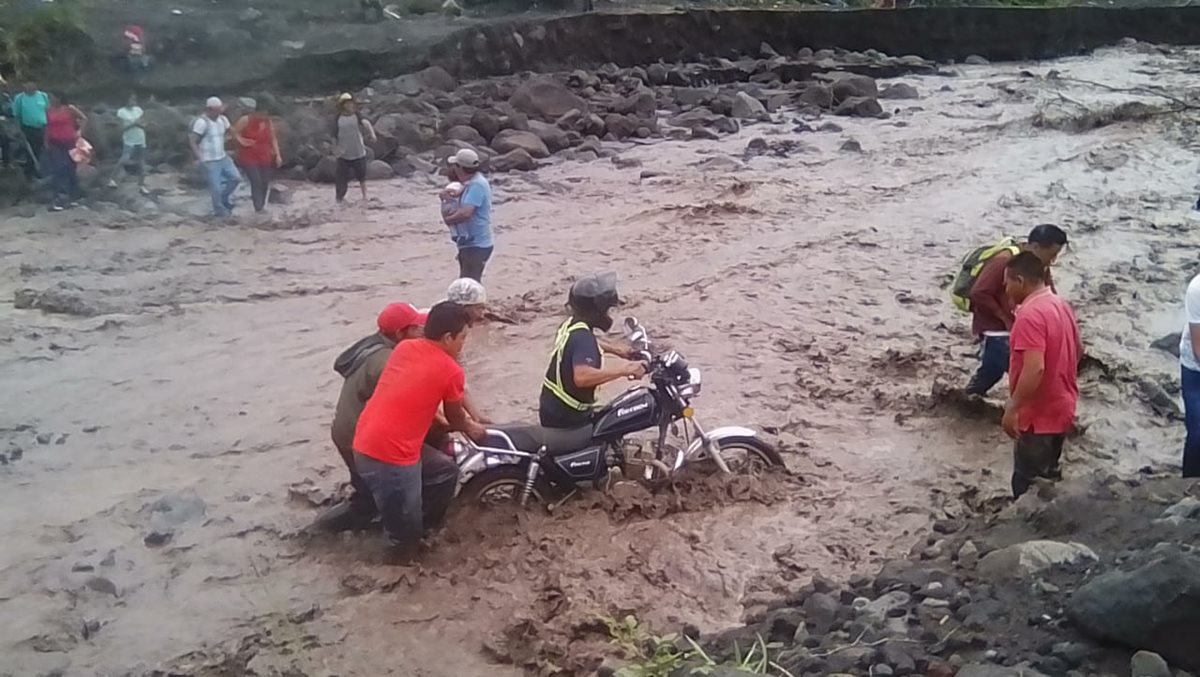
1189,345
133,140
207,139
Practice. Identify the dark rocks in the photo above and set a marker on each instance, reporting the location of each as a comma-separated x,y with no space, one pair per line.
546,98
466,133
896,654
279,195
515,160
1168,343
552,135
704,133
818,95
656,73
976,60
850,86
851,146
990,670
641,103
862,107
324,172
158,537
694,96
821,612
899,90
621,126
408,129
1154,607
511,139
747,107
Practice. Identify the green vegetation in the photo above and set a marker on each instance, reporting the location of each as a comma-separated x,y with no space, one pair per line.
42,37
651,655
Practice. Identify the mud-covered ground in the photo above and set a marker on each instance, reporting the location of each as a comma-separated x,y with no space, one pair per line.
182,391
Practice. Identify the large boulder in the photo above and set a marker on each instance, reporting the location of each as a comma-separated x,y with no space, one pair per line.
553,136
511,139
656,73
408,130
817,95
621,126
641,103
899,90
1154,607
860,107
514,160
546,98
1024,559
747,107
465,133
695,96
850,85
486,123
324,172
434,78
378,170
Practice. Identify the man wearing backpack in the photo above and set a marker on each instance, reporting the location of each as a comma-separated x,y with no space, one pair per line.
979,289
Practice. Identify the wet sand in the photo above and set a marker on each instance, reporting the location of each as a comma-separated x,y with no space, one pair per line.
809,286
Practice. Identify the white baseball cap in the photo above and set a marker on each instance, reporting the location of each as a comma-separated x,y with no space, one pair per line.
213,102
467,292
465,158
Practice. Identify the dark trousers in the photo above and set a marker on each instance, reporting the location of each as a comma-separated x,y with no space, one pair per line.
6,156
1035,455
62,172
471,261
411,499
993,365
1190,382
260,185
346,169
36,137
362,504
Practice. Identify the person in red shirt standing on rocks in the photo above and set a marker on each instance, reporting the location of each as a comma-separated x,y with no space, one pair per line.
389,442
1042,373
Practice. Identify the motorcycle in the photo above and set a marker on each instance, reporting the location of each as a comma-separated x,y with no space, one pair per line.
528,462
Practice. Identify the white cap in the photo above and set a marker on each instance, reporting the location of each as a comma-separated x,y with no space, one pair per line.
213,102
466,292
465,158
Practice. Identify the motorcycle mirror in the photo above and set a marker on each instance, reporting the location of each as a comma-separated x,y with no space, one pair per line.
631,324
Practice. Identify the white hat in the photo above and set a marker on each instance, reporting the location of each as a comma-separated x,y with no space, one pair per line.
466,292
465,158
213,102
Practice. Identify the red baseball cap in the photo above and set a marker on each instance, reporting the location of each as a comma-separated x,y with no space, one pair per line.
397,317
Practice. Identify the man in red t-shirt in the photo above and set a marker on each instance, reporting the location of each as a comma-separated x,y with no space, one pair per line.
1042,372
390,438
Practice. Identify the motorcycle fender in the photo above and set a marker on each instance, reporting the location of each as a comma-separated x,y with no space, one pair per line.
480,461
697,446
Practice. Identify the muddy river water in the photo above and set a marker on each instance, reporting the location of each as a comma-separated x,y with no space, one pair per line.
808,283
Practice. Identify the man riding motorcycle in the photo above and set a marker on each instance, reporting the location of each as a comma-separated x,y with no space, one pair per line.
576,369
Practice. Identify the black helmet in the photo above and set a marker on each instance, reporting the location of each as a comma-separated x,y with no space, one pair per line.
591,298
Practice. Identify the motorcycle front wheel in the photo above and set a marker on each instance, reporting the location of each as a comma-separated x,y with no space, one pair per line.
744,456
502,485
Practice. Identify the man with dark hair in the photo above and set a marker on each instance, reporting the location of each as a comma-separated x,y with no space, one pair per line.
389,449
1042,372
575,370
992,314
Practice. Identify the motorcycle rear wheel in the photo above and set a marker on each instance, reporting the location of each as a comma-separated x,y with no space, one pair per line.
744,456
502,485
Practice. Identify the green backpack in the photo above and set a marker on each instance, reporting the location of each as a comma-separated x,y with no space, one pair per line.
972,265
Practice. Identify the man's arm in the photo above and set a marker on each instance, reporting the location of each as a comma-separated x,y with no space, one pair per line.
456,416
460,215
275,143
194,144
472,410
368,130
987,294
620,349
587,376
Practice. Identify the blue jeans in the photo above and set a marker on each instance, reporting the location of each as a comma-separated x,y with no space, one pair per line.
410,498
993,365
1190,381
223,179
64,178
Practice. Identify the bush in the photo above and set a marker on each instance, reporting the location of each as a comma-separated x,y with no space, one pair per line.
44,38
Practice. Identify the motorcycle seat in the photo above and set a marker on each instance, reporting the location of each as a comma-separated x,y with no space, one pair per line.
557,441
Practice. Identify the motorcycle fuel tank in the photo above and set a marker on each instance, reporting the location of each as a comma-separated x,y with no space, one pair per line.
635,409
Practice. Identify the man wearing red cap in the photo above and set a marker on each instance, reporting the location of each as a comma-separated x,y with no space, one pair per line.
412,482
361,364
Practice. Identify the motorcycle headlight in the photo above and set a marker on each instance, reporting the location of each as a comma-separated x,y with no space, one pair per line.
692,387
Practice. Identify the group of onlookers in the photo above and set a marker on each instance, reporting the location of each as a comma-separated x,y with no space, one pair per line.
46,130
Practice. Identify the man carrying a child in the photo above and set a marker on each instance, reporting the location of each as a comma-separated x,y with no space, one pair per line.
467,211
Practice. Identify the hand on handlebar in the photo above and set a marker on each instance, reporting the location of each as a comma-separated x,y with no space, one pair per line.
635,370
475,431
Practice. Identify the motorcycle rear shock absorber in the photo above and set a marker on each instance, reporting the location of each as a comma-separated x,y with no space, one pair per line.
530,479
